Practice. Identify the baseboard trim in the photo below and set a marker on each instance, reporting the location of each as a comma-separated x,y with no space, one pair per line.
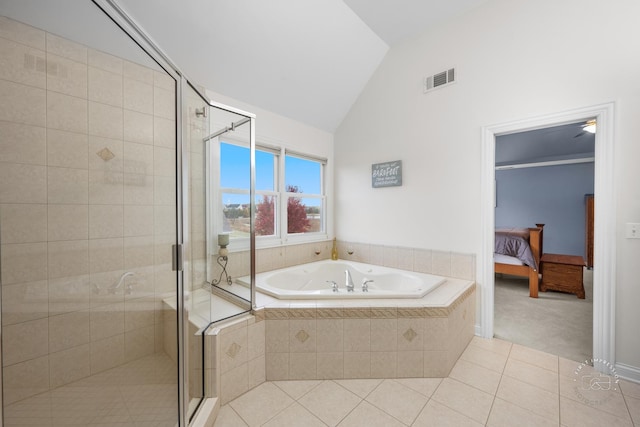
628,372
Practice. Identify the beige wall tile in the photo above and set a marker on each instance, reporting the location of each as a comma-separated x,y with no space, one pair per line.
106,255
105,87
302,335
164,191
138,158
163,80
68,222
115,146
357,335
141,190
441,263
69,365
25,379
21,143
164,132
330,335
66,112
138,252
384,334
138,343
233,384
68,258
107,353
138,72
256,371
164,162
24,341
68,330
23,223
436,333
277,366
105,61
69,294
106,188
302,366
422,260
256,340
66,48
357,365
23,183
233,349
390,256
138,220
138,127
67,149
384,364
437,364
24,262
410,364
463,266
22,64
107,321
164,103
138,96
24,302
66,76
411,334
138,313
67,186
22,104
106,221
22,33
105,120
164,219
330,365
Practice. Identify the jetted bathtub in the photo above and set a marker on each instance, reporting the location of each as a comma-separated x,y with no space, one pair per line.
314,281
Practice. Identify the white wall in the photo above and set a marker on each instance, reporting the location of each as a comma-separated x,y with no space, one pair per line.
514,59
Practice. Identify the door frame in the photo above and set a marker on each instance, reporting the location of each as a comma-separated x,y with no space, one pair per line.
604,273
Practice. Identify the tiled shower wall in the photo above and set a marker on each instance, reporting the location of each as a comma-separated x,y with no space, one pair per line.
87,179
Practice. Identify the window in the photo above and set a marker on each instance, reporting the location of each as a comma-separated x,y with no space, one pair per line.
290,200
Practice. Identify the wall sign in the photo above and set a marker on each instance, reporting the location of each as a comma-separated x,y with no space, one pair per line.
387,174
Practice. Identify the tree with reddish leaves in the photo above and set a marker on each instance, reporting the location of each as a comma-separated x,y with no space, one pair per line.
297,221
265,217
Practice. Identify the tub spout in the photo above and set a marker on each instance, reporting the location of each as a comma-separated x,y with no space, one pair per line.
348,281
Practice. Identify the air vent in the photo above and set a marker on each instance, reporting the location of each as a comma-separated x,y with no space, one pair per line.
439,79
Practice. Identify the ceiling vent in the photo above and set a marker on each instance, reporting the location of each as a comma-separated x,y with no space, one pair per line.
437,80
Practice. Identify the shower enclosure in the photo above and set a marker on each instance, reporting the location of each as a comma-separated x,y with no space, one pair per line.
108,242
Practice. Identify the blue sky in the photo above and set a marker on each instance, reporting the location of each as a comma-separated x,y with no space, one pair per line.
234,172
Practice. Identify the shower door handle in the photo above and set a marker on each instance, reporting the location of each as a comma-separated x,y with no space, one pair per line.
176,257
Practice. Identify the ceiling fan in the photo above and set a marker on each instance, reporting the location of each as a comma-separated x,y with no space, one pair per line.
588,127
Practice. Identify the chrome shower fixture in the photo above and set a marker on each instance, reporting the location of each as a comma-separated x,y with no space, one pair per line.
201,112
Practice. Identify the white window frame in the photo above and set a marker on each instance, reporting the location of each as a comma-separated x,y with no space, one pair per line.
280,236
322,196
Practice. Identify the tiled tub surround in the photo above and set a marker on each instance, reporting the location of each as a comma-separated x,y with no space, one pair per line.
441,263
74,215
288,340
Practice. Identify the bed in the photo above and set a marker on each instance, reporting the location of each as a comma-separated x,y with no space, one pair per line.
517,252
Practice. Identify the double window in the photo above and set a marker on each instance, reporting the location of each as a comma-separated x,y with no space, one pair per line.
290,197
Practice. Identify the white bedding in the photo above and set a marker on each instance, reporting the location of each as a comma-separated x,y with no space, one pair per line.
505,259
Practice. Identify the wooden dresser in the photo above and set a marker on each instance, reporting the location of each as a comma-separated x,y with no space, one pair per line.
562,273
588,232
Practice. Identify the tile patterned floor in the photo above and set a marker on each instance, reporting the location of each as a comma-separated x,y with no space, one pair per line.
494,383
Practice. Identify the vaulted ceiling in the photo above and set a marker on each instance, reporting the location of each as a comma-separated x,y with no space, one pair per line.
304,59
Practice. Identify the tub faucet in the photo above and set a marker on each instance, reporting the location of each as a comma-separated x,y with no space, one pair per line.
348,281
365,284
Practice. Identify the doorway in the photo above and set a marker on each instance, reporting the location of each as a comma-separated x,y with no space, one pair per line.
542,177
604,227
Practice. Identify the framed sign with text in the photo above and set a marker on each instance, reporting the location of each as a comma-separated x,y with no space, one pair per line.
387,174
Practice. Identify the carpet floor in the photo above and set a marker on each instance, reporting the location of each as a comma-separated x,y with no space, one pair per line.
555,322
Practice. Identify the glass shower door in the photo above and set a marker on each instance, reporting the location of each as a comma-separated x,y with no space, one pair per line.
88,218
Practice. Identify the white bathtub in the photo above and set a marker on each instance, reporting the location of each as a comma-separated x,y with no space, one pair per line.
311,281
